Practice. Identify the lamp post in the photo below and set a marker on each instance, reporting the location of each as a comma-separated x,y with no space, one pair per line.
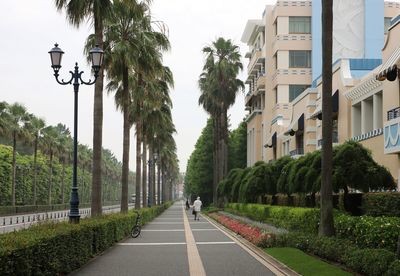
96,55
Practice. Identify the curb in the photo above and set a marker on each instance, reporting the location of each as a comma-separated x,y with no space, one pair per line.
271,263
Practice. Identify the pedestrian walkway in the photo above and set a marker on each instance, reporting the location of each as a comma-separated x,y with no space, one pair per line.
174,244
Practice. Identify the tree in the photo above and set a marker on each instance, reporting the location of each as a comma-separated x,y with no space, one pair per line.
238,147
50,144
15,120
77,12
219,86
36,125
326,227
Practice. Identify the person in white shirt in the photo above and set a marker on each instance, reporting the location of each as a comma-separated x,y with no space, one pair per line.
197,208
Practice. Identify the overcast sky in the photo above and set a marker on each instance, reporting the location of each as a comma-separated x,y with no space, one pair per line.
30,28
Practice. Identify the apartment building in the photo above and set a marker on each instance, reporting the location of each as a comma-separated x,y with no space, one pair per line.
285,111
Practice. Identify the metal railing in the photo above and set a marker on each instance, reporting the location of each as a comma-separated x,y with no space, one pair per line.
393,113
299,151
335,139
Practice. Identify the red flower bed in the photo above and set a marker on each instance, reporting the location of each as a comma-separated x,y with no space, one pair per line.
253,234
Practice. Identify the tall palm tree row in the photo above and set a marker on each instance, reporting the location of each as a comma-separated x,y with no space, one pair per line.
219,86
133,43
39,166
78,11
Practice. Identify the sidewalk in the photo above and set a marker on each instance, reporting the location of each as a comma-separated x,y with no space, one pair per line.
171,242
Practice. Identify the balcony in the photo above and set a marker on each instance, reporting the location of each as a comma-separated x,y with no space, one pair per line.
253,114
261,82
297,153
391,132
393,113
256,59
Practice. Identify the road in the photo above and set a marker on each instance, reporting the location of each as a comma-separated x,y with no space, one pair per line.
174,244
22,221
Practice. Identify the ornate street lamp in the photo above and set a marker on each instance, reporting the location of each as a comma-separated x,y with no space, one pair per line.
96,56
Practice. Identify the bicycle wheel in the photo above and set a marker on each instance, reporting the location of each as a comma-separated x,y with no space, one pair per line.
135,231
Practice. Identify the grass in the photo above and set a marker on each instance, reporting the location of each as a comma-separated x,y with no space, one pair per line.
304,264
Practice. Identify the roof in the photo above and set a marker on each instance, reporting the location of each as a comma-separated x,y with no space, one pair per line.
252,26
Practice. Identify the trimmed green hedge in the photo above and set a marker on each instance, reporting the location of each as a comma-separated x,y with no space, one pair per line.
298,219
59,248
374,262
364,231
381,204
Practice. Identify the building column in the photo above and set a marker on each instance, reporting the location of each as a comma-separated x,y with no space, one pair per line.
355,120
366,116
377,110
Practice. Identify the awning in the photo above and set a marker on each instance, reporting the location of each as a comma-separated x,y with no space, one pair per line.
296,126
389,65
335,107
271,143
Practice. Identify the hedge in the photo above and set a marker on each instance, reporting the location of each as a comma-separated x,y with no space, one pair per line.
372,262
59,248
381,204
298,219
363,231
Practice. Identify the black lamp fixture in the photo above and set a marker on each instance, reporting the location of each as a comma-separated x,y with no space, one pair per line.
96,56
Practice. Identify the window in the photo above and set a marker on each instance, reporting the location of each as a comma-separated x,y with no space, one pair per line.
300,24
296,90
387,24
300,59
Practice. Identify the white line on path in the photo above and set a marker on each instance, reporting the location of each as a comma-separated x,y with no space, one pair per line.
226,242
151,223
151,243
176,230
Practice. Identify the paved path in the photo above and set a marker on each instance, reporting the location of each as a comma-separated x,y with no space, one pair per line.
174,244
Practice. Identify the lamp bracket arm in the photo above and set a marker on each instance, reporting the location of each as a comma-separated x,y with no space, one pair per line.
62,82
89,82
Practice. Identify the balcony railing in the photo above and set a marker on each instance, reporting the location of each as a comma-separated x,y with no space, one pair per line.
393,113
299,151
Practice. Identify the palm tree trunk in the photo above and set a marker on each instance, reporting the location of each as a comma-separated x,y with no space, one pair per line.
215,157
50,175
62,182
163,184
326,227
225,144
126,141
35,170
159,181
138,162
144,172
14,169
96,205
151,187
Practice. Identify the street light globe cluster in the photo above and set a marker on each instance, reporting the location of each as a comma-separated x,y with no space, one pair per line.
96,56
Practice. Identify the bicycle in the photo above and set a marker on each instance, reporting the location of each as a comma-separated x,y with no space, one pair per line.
135,232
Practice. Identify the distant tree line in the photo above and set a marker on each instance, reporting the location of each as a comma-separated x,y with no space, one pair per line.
36,162
199,171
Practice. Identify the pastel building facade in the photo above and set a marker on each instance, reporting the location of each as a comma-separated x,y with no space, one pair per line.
284,78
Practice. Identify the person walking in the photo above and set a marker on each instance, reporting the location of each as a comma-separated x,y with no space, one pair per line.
187,204
197,208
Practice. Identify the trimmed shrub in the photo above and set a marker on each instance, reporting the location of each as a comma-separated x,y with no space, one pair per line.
59,248
381,204
297,219
371,232
372,262
394,269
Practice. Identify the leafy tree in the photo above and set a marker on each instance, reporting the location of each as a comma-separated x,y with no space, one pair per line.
199,171
238,147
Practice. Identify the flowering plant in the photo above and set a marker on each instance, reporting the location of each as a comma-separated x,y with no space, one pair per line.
251,233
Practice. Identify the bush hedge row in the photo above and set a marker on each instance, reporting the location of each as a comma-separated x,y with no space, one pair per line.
371,262
371,204
59,248
363,231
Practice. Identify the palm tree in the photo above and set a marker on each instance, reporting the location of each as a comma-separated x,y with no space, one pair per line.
77,12
326,227
65,149
15,126
50,142
219,86
36,125
134,49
